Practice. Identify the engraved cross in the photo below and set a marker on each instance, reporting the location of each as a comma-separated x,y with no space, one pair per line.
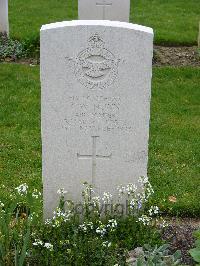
94,156
104,4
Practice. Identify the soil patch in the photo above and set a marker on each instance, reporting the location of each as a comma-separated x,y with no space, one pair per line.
163,56
179,234
176,56
22,61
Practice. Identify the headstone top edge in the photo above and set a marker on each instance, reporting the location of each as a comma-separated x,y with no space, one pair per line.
108,23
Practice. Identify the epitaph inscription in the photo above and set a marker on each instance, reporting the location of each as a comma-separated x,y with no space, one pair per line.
95,67
96,113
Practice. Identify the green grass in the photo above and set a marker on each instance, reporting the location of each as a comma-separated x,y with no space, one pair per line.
174,21
20,126
27,17
174,140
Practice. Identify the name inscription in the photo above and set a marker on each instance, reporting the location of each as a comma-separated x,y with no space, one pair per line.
99,113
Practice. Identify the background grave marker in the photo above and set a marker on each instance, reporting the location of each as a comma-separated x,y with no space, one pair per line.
4,27
117,10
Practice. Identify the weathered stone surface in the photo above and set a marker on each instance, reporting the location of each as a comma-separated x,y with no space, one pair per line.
4,28
96,88
117,10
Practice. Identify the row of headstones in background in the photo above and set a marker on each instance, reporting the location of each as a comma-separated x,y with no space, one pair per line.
4,26
117,10
96,88
95,10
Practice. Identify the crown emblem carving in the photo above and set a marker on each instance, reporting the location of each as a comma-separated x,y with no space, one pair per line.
95,67
95,41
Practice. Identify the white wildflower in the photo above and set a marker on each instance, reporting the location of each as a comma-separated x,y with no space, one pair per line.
143,180
164,224
36,194
48,246
22,189
106,244
90,225
101,229
31,216
38,242
83,227
88,190
107,197
112,223
1,204
121,189
61,191
153,210
149,190
48,221
131,188
96,201
132,204
145,219
61,215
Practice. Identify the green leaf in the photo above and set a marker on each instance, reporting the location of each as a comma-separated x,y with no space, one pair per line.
177,255
195,253
197,243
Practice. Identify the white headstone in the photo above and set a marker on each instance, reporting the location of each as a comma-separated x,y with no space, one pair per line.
4,28
96,88
117,10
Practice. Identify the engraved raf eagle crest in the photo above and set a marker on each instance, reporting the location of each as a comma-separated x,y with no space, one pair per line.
96,66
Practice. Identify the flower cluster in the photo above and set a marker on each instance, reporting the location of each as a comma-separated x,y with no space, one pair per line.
61,191
85,226
101,229
59,216
153,210
88,190
36,194
148,189
48,246
96,201
132,203
145,219
112,224
107,197
39,243
48,221
22,189
131,188
136,196
106,244
163,223
121,189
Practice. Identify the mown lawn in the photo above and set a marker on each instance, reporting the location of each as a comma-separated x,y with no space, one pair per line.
19,126
174,140
174,163
174,21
